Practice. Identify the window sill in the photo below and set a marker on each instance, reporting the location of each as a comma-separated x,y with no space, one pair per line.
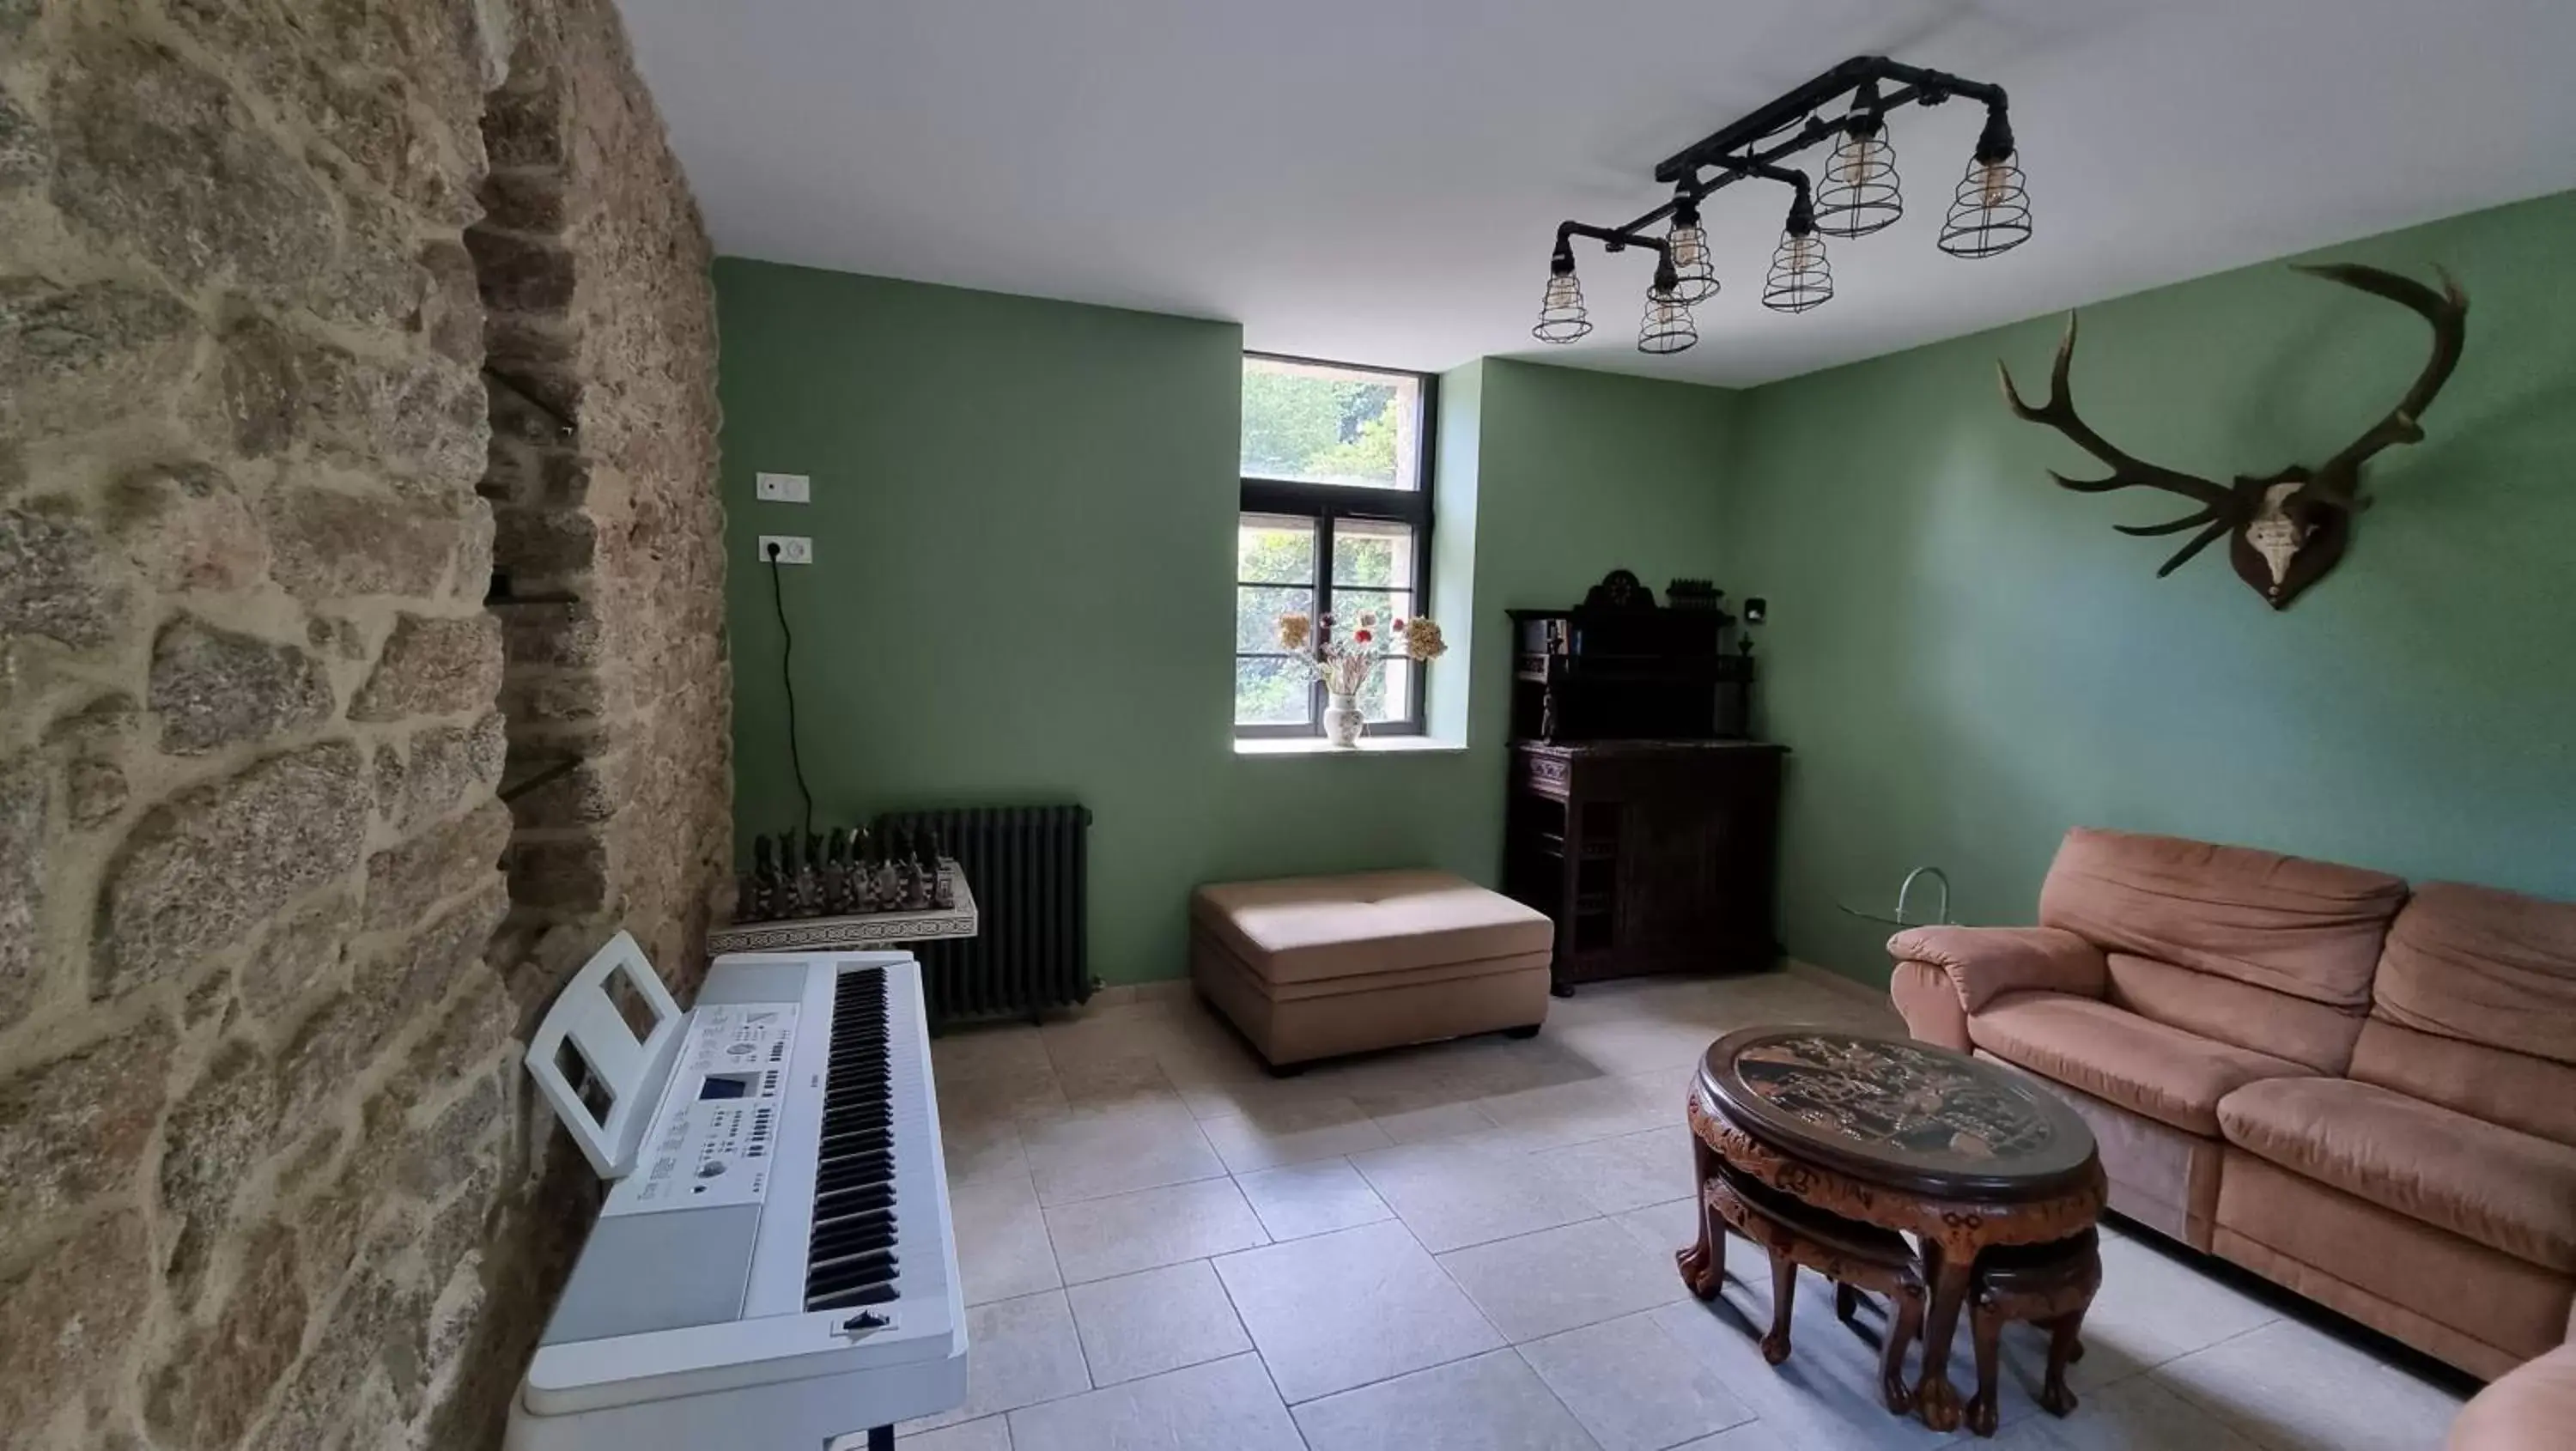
1368,746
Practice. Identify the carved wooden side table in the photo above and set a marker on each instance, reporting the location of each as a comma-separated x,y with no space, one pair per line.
1962,1155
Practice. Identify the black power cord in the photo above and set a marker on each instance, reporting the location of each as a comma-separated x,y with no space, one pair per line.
787,678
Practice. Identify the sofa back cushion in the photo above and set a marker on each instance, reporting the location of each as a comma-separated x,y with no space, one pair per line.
2484,966
2309,929
2318,1035
2475,1008
2535,1095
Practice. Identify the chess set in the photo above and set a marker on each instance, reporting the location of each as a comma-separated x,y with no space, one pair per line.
846,874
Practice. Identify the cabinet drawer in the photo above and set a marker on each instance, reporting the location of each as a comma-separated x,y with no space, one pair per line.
1545,775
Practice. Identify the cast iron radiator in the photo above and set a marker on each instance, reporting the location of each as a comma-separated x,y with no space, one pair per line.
1029,871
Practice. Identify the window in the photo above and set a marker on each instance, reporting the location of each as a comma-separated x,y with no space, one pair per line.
1336,520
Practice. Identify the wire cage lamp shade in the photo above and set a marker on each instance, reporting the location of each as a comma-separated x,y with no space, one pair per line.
1860,191
1695,278
1990,211
1561,314
1667,326
1801,276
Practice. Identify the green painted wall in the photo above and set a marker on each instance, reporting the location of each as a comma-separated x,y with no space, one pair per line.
1023,519
1967,660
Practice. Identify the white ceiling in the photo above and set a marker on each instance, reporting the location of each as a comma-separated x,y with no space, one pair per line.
1379,180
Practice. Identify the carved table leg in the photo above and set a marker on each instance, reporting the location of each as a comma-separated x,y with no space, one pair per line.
1784,1299
2063,1346
1902,1328
1985,1328
1935,1399
1703,1265
1846,1303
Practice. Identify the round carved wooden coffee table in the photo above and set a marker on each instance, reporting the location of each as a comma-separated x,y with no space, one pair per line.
1960,1154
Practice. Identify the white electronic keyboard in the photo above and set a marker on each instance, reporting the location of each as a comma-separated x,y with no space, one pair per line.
774,1267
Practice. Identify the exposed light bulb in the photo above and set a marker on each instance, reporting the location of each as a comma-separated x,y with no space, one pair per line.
1801,278
1860,159
1860,192
1694,280
1994,182
1562,317
1667,326
1990,212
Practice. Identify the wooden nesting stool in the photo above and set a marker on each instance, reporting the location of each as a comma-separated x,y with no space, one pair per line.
2048,1285
1855,1256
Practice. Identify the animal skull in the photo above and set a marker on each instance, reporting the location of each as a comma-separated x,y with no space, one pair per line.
2276,534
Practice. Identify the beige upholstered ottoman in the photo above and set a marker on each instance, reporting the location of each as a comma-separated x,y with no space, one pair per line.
1310,967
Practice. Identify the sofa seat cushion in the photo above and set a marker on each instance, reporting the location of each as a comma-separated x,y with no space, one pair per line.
2144,1066
1302,929
2509,1191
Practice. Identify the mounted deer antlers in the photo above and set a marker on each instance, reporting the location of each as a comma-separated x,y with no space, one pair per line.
2287,529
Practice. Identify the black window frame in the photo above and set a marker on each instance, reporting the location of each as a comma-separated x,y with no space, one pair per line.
1328,503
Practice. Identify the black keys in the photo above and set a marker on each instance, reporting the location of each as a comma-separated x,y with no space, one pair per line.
850,1256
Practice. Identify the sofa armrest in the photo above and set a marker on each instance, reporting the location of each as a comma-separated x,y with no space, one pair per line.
2526,1410
1982,963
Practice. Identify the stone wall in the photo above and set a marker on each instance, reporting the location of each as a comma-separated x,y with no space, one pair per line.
275,1178
608,538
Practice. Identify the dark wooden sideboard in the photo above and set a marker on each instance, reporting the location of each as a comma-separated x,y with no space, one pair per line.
1651,855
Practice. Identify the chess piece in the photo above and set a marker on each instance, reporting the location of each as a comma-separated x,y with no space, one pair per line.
907,874
863,872
925,858
808,880
943,888
764,870
836,874
889,882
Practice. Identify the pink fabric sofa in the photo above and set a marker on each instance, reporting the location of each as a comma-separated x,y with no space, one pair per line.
2363,1093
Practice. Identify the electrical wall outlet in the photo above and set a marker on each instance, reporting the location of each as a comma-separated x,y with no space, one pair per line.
783,488
792,548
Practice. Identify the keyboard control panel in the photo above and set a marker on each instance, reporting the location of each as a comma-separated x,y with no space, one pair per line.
713,1140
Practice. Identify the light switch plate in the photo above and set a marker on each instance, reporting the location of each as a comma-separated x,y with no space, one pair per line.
792,548
783,488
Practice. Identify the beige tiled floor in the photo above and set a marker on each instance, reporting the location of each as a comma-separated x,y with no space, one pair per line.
1470,1245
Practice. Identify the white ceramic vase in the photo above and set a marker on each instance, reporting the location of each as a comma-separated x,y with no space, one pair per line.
1342,721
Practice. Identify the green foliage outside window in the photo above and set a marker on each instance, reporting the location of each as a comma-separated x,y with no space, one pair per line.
1321,430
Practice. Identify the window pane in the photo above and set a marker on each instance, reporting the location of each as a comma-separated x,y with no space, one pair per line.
1271,692
1386,605
1257,611
1275,549
1322,424
1372,552
1389,693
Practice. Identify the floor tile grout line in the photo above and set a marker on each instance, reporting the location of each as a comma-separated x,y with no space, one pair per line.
2217,1413
1259,1358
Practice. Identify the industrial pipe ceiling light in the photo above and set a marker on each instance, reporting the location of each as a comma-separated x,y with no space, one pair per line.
1859,194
